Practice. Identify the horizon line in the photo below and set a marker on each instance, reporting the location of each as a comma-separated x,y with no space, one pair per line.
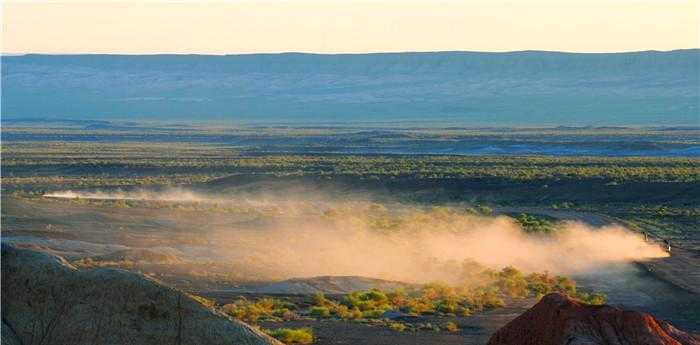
347,53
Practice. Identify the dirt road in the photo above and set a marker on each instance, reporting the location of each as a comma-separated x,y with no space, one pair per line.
681,269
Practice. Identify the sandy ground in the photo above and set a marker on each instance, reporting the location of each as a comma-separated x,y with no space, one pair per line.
682,268
667,287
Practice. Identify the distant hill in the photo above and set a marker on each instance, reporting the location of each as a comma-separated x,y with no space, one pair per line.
471,88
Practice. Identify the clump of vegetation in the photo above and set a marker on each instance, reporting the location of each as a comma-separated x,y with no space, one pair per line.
592,298
346,313
437,299
451,327
429,299
265,308
319,299
535,224
516,284
397,326
292,335
480,210
371,302
319,312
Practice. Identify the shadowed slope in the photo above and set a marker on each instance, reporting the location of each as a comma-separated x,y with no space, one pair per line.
45,300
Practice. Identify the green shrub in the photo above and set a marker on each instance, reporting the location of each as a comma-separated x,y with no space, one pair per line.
346,313
420,306
485,298
594,298
397,298
397,326
566,285
319,312
285,314
534,224
448,306
266,308
247,312
292,335
512,282
463,311
372,314
318,299
369,300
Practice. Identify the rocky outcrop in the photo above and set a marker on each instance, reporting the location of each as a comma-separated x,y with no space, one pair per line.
559,320
45,300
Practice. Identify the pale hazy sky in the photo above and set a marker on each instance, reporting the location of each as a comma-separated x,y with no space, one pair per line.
334,26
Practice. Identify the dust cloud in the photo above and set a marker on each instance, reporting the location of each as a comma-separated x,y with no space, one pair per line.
174,195
295,236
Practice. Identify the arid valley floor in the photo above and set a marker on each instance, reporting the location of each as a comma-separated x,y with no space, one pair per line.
456,246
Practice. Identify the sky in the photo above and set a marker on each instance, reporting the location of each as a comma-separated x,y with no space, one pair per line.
347,26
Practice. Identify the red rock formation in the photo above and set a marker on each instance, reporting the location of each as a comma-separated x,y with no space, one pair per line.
559,320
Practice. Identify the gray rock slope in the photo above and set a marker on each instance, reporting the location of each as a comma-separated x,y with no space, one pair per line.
45,300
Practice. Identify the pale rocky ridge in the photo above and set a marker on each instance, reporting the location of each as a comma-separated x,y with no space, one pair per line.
45,300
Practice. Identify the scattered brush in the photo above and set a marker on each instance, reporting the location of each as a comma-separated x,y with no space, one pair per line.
292,335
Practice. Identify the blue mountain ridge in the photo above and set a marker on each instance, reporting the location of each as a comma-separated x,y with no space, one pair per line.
470,88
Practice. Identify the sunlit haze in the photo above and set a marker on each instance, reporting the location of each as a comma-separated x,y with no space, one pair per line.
347,26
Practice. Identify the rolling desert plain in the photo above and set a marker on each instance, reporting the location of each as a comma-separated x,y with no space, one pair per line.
333,211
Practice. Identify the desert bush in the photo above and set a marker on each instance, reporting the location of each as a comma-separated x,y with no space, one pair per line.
512,282
369,300
346,313
397,326
463,311
451,327
534,224
448,305
292,335
417,306
265,308
484,298
594,298
319,299
484,210
566,285
397,297
372,314
285,314
243,311
319,312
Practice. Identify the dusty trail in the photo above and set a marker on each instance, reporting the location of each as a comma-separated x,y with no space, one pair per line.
663,287
681,269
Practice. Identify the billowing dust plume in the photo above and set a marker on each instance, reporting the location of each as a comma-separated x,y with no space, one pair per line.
305,236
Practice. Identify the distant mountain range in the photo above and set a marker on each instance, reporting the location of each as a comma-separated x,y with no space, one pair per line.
469,88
